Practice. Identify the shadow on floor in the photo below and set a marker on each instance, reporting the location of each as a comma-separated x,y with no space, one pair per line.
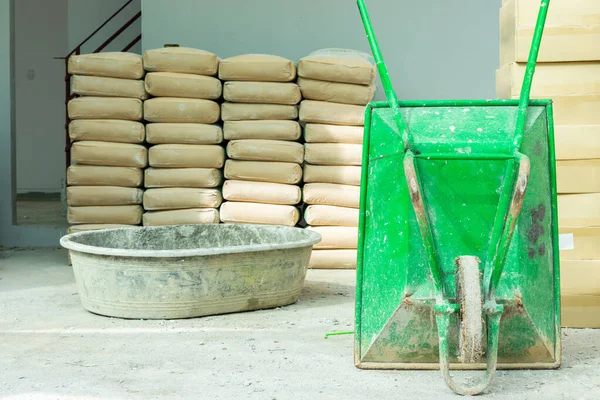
25,269
41,209
328,292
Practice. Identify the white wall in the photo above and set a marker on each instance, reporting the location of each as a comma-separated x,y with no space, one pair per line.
10,233
40,35
87,15
435,49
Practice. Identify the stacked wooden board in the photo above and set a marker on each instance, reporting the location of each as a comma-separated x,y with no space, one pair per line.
336,86
568,72
264,157
185,157
107,153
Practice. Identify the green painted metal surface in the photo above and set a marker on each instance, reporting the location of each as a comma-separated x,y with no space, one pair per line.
458,226
450,189
463,150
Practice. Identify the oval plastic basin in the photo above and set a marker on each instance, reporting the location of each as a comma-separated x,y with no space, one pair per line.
189,271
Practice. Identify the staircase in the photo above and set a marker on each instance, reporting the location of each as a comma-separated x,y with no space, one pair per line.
77,50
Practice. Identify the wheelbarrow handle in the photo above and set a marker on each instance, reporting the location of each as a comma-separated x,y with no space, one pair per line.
525,90
383,72
529,71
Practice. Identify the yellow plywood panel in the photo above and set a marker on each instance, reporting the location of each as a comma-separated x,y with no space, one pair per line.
572,31
579,210
580,243
550,79
580,311
578,176
577,142
580,277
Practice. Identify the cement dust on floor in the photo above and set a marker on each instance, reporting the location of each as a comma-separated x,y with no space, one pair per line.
51,348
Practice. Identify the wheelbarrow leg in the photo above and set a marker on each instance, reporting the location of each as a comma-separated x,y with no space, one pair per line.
416,197
505,221
494,314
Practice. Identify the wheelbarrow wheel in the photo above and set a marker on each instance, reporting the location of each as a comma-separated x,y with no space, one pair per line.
468,296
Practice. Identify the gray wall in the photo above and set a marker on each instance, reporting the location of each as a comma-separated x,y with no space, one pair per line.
87,15
434,49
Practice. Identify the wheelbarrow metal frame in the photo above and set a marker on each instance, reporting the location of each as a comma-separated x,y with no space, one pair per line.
361,232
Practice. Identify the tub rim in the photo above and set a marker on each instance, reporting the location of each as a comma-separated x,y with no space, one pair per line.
67,242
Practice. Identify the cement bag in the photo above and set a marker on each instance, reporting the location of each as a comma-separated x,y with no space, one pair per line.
255,213
170,84
261,192
103,196
319,133
94,227
111,87
338,65
336,237
277,172
181,59
341,174
174,198
128,215
109,154
186,156
319,215
170,109
91,175
331,194
107,130
333,259
182,177
110,64
257,67
335,92
333,154
105,108
270,130
191,216
243,112
322,112
262,92
265,150
182,133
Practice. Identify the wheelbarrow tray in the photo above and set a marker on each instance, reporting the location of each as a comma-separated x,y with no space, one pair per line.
395,319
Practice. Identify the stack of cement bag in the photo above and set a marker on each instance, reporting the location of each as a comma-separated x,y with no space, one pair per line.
264,159
186,159
107,153
336,86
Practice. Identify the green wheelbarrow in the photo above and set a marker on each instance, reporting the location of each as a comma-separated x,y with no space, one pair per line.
458,240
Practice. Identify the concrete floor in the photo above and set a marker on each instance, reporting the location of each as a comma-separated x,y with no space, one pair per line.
41,209
51,348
